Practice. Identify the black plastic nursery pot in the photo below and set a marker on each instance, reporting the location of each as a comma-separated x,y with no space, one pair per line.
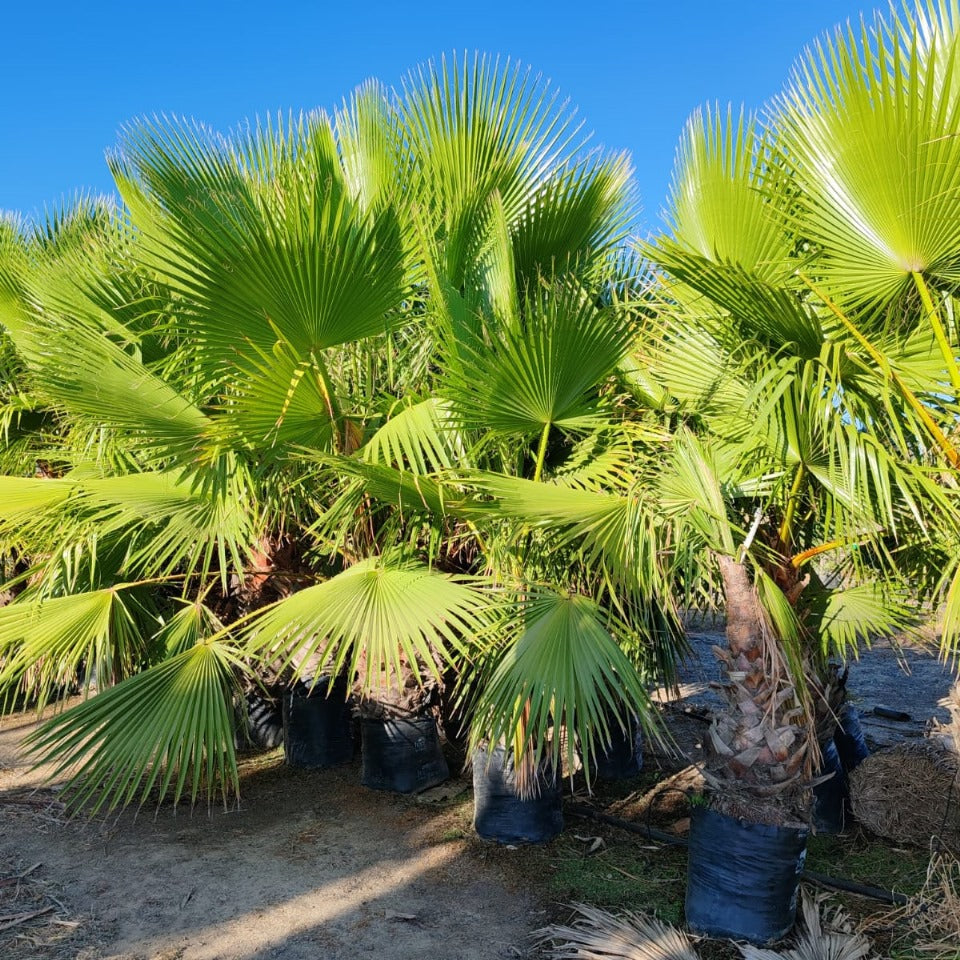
742,877
622,758
830,797
259,723
851,746
500,814
402,755
317,728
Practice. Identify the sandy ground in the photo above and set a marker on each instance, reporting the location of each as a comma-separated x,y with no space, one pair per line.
311,865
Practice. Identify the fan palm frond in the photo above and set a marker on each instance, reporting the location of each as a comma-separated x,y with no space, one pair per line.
596,934
167,731
563,668
870,120
376,614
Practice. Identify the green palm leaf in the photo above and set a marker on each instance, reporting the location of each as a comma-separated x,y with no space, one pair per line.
719,209
80,370
165,731
418,436
542,371
853,616
368,134
473,129
377,613
563,670
577,219
870,122
262,235
47,645
165,520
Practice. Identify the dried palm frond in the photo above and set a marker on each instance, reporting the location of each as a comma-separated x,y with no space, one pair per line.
933,914
598,935
829,935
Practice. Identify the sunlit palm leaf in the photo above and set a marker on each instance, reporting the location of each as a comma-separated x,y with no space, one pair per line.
370,141
164,519
48,645
262,235
598,935
695,489
719,209
870,120
474,128
78,369
168,731
851,617
187,627
542,372
417,436
374,612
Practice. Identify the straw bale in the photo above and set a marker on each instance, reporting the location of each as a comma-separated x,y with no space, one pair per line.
910,793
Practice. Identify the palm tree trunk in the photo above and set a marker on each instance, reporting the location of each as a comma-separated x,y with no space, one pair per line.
761,746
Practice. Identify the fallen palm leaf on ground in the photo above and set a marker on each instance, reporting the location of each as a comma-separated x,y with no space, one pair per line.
598,935
826,934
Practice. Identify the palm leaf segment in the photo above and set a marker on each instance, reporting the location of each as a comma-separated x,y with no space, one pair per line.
869,123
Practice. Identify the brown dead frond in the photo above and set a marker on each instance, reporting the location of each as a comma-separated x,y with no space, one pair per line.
826,934
598,935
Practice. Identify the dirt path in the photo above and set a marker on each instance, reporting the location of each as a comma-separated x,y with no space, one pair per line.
311,865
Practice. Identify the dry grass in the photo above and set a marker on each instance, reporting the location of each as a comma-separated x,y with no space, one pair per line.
34,923
909,793
931,919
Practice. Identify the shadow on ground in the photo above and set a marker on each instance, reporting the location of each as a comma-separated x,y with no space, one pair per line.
310,864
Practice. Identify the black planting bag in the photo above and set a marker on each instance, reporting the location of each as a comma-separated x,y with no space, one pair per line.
742,877
259,723
623,758
402,755
317,729
851,745
499,814
830,797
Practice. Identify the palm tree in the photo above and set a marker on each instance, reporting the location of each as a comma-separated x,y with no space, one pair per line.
263,380
870,125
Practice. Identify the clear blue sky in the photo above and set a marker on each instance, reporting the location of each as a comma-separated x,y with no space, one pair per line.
71,73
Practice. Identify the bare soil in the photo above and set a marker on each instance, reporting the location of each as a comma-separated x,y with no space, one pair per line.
309,865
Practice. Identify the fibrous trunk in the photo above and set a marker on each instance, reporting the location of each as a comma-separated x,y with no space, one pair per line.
760,748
